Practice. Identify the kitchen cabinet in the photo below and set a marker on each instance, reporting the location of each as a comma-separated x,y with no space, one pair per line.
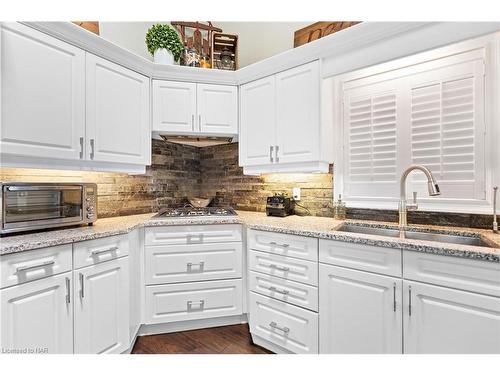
185,108
281,130
37,317
118,128
360,312
102,307
42,95
440,320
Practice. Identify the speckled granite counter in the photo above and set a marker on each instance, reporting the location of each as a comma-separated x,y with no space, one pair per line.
319,227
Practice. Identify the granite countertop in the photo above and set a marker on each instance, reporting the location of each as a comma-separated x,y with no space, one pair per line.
319,227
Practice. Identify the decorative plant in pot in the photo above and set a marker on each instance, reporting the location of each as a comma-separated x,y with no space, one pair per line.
164,44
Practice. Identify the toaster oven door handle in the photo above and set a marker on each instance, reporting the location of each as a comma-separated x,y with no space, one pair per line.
42,187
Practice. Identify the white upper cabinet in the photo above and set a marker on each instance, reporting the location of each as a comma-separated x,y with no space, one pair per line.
258,119
297,114
38,315
174,106
217,109
42,95
185,108
118,110
281,130
447,321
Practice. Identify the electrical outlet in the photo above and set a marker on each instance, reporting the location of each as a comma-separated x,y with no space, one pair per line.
296,194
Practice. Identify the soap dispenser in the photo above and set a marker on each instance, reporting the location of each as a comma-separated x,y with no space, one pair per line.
340,209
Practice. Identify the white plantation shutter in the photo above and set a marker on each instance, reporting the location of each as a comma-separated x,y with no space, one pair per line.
447,129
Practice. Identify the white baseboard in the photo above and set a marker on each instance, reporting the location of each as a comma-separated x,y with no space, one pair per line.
156,329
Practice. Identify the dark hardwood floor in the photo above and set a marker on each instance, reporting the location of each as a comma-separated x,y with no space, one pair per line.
233,339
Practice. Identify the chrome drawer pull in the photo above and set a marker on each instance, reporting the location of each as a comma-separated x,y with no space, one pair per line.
27,268
271,154
82,291
284,269
68,291
276,326
394,297
200,265
409,300
282,291
277,244
200,303
99,252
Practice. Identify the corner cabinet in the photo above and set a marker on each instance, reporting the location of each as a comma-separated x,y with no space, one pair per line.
64,108
185,108
281,129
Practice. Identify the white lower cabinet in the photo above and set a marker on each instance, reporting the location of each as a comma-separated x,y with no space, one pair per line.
102,308
37,317
289,327
441,320
360,312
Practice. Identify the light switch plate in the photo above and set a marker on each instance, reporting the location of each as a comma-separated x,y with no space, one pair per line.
296,193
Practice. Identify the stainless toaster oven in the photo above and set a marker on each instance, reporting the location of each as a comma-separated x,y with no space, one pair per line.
37,206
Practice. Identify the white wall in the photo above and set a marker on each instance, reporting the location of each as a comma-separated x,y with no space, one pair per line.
257,40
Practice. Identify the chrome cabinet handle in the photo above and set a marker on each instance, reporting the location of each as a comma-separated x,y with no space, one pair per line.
200,303
409,300
277,158
41,265
276,326
192,122
200,265
394,297
92,153
199,123
277,244
81,147
99,252
282,291
284,269
271,154
82,290
68,290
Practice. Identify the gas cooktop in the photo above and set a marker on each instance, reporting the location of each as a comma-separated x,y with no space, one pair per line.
196,211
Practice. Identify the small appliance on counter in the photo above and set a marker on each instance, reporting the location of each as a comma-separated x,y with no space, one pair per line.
279,205
39,206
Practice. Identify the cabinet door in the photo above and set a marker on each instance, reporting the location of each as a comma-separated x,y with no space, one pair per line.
102,308
440,320
174,106
118,109
258,122
42,95
360,312
217,109
38,316
297,114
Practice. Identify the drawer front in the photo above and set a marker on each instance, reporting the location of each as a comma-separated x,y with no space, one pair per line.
467,274
284,290
192,234
376,259
35,264
283,244
288,268
288,326
180,263
88,253
189,301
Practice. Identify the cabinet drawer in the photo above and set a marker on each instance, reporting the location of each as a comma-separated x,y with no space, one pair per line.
188,301
193,234
288,326
284,290
288,268
92,252
467,274
35,264
283,244
376,259
179,263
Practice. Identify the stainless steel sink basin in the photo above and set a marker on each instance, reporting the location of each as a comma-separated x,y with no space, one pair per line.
434,236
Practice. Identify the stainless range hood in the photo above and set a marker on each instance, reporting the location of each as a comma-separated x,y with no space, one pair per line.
197,141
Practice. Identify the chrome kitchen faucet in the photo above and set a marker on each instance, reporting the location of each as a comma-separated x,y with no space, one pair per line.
432,186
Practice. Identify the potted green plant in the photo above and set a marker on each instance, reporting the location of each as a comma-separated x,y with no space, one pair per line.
164,44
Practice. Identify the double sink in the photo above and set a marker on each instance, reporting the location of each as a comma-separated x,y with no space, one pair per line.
468,239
